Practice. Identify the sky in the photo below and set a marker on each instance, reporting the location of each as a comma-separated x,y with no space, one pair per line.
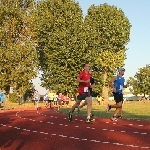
138,53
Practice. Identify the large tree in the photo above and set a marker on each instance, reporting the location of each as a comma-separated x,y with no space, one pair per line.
140,83
18,55
107,31
61,43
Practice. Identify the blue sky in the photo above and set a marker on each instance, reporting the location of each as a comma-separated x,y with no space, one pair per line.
138,13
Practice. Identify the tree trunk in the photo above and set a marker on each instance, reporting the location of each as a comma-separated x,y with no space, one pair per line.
105,87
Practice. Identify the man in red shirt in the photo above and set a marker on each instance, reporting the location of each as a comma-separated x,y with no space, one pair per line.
84,92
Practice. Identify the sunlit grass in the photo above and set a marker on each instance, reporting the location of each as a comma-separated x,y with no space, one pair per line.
133,110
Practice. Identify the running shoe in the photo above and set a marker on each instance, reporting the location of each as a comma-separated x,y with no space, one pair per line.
90,120
108,108
120,117
114,118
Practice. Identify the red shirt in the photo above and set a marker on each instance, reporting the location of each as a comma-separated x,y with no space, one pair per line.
83,76
60,97
67,98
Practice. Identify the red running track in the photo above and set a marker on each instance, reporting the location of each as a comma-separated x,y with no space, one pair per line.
49,130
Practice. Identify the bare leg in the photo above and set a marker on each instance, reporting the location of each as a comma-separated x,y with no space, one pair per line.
89,106
77,103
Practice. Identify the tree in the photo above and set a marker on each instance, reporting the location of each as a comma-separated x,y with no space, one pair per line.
61,43
140,82
107,32
18,55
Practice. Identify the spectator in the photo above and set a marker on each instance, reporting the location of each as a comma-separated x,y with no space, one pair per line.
55,100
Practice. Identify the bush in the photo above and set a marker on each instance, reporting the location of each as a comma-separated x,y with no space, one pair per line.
13,97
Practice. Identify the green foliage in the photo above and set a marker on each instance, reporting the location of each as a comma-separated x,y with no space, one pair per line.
140,82
18,56
61,43
107,32
13,97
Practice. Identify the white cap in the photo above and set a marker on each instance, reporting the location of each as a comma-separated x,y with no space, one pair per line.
121,69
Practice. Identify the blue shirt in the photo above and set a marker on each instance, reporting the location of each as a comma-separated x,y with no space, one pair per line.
2,96
46,96
118,84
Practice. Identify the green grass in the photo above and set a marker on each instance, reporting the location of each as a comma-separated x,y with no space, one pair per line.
11,105
133,110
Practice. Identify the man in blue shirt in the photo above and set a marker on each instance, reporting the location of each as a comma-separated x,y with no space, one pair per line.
2,98
117,84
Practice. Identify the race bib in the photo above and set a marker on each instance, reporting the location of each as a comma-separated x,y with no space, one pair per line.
121,87
85,89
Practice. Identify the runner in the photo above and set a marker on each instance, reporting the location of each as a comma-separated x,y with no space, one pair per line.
117,83
46,99
84,93
60,100
92,84
51,98
36,99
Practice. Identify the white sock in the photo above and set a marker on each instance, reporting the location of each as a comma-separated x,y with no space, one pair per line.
88,117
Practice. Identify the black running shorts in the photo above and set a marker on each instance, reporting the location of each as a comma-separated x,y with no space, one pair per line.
83,96
118,97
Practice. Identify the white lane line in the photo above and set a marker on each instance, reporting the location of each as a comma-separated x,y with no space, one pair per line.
143,133
41,132
135,132
28,130
123,131
105,142
45,133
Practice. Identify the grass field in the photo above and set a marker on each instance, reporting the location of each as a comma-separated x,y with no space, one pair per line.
133,110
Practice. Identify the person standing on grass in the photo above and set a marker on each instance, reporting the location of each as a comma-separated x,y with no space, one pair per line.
84,93
117,83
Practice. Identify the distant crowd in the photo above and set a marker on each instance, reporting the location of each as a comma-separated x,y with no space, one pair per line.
51,99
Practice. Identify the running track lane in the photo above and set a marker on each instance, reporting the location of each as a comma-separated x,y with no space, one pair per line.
48,130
